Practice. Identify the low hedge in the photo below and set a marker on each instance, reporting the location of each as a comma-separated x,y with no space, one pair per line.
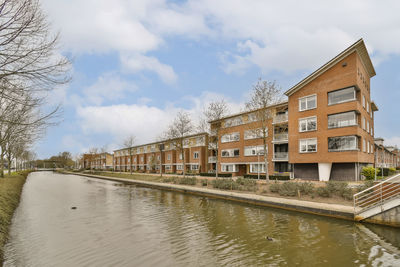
223,175
271,177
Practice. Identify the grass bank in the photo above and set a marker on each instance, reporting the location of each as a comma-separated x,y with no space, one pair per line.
10,192
321,192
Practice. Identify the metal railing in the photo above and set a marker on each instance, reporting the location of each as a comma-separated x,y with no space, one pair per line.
212,159
281,137
377,195
281,118
281,155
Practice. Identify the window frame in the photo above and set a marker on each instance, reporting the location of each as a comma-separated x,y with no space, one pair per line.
230,137
257,148
344,101
343,150
308,139
306,119
230,150
306,97
196,154
350,125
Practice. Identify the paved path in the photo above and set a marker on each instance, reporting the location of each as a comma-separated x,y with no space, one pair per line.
324,209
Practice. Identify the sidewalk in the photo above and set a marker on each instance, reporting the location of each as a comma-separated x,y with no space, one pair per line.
324,209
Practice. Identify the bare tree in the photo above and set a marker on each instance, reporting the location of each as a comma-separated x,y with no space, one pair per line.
213,114
129,143
93,153
264,94
177,131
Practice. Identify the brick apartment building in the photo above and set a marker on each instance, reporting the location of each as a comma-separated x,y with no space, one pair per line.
99,161
325,131
148,158
386,156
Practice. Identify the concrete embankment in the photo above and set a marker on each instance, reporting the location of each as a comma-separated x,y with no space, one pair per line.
323,209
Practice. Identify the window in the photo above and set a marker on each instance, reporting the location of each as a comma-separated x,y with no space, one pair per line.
168,167
368,146
307,124
129,160
342,119
308,102
363,101
233,122
363,123
194,167
141,159
252,117
169,156
179,167
230,153
180,156
342,143
254,133
367,107
158,157
368,126
134,160
253,150
341,96
258,167
308,145
196,155
230,137
229,168
364,145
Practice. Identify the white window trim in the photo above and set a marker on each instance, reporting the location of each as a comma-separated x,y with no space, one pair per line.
306,118
231,149
196,153
355,120
254,171
251,147
230,134
339,150
316,102
316,145
235,168
344,101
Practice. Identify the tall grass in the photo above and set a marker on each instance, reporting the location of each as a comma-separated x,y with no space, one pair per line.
10,192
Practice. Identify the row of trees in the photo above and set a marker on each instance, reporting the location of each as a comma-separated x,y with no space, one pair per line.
263,95
30,68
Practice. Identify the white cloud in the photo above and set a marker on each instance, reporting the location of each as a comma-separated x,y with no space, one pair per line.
108,87
137,62
392,141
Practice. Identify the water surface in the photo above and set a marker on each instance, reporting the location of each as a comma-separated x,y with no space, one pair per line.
122,225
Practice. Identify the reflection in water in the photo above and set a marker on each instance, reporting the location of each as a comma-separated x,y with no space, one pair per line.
119,225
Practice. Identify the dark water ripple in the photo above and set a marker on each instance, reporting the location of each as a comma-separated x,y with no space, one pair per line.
120,225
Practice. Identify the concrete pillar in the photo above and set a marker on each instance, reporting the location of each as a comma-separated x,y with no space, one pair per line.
324,171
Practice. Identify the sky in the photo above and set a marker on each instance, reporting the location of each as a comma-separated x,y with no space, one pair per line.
136,63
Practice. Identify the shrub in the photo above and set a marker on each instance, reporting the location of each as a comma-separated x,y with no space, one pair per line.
336,187
187,180
288,189
204,182
274,188
367,184
279,177
306,188
226,184
369,173
323,191
246,184
392,171
169,180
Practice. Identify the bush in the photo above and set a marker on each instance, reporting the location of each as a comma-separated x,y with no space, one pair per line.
204,182
226,184
392,171
369,173
279,177
213,174
187,180
367,184
247,184
254,176
274,188
306,188
288,189
323,191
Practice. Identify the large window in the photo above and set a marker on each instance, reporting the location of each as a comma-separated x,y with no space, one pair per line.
229,168
230,137
196,155
342,119
308,124
253,150
308,145
254,133
179,167
342,143
233,121
258,167
341,96
227,153
308,102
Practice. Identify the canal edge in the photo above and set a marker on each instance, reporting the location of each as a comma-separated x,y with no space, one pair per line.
322,209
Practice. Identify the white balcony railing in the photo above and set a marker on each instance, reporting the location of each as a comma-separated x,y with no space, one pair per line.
281,118
281,155
212,159
281,137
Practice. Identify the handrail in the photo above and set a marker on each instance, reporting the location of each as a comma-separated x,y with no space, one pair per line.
377,195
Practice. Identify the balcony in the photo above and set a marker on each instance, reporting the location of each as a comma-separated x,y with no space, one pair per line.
281,137
280,118
212,159
281,156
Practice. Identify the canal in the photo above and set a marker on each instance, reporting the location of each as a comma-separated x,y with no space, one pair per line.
124,225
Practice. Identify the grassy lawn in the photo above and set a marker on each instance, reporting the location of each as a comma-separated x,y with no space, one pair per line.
10,192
